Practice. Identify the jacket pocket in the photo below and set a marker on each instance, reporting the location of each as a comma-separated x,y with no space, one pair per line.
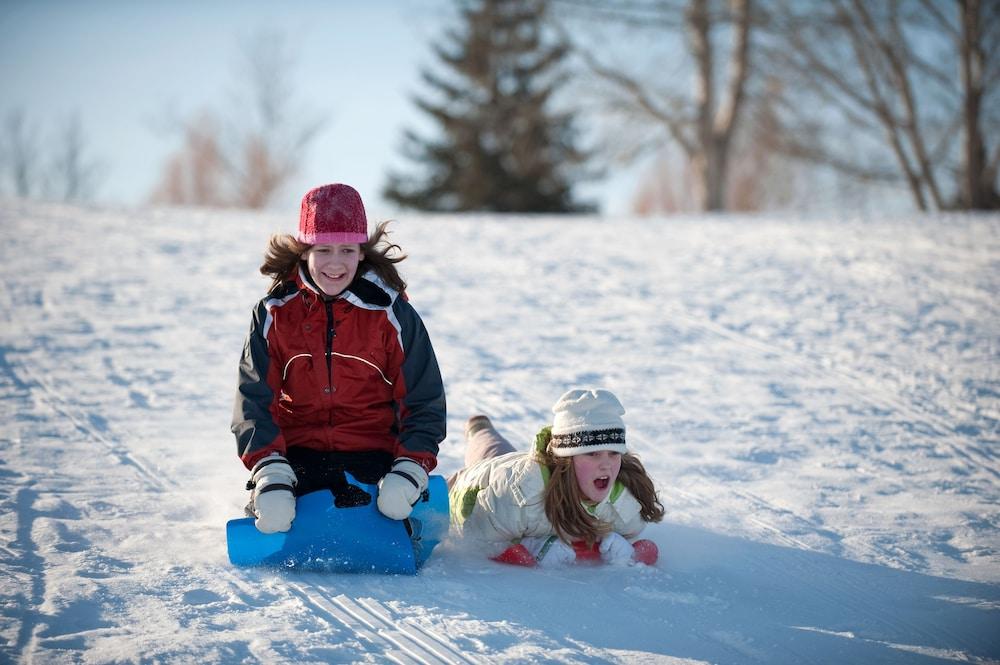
299,387
360,381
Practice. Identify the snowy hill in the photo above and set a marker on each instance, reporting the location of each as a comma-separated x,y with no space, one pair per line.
817,400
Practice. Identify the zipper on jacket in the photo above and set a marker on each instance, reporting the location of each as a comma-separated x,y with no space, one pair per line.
331,332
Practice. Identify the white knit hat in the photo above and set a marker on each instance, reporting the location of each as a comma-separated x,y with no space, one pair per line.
587,421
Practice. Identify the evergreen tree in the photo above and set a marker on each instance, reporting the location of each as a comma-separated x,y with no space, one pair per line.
500,146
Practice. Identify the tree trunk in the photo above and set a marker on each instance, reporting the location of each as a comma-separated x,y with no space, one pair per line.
704,122
897,59
704,100
729,113
715,125
977,186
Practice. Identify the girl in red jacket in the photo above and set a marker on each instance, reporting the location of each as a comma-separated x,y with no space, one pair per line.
338,372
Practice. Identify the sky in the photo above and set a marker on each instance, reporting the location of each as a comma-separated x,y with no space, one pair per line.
126,67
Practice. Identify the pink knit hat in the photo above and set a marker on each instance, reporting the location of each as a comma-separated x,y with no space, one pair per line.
333,214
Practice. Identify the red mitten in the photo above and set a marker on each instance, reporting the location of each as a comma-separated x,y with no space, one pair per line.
584,553
645,551
516,555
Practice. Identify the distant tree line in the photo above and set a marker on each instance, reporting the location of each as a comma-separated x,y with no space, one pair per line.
919,79
897,92
743,103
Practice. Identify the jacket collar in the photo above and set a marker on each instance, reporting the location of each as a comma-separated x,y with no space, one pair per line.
365,290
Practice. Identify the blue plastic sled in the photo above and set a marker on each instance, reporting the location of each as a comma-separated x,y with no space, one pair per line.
346,540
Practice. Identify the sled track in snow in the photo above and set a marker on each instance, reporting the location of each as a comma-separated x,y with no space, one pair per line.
757,508
850,593
851,383
759,505
399,639
811,365
380,633
47,517
51,396
852,588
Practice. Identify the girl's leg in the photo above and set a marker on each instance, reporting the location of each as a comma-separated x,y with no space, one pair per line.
319,470
482,441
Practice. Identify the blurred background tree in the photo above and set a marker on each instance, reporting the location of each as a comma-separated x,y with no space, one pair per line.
58,169
912,85
651,106
74,175
243,156
675,79
501,145
20,154
752,104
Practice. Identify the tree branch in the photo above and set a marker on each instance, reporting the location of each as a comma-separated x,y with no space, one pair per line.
883,112
933,10
628,14
896,57
638,94
739,68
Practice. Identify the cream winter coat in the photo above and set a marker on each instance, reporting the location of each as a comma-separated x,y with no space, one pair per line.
500,499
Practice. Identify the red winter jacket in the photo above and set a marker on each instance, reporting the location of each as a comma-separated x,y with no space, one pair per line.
352,373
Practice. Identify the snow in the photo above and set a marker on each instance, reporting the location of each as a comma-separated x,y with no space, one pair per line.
817,400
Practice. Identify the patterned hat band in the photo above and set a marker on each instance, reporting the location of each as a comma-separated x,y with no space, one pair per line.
598,437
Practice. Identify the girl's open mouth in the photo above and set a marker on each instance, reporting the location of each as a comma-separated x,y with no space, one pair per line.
602,482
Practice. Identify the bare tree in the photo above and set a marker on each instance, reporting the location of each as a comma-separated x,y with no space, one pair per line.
758,176
665,188
703,122
244,156
264,146
194,175
978,45
73,175
60,168
21,153
909,78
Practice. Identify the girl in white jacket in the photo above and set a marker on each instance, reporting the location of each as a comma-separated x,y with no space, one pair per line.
579,495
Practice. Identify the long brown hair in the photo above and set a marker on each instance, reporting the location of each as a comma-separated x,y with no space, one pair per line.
284,253
564,500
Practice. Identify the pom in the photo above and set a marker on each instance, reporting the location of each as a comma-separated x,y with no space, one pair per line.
646,552
584,553
516,555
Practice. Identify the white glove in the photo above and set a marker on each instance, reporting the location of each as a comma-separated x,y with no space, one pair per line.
549,551
401,488
616,550
273,482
